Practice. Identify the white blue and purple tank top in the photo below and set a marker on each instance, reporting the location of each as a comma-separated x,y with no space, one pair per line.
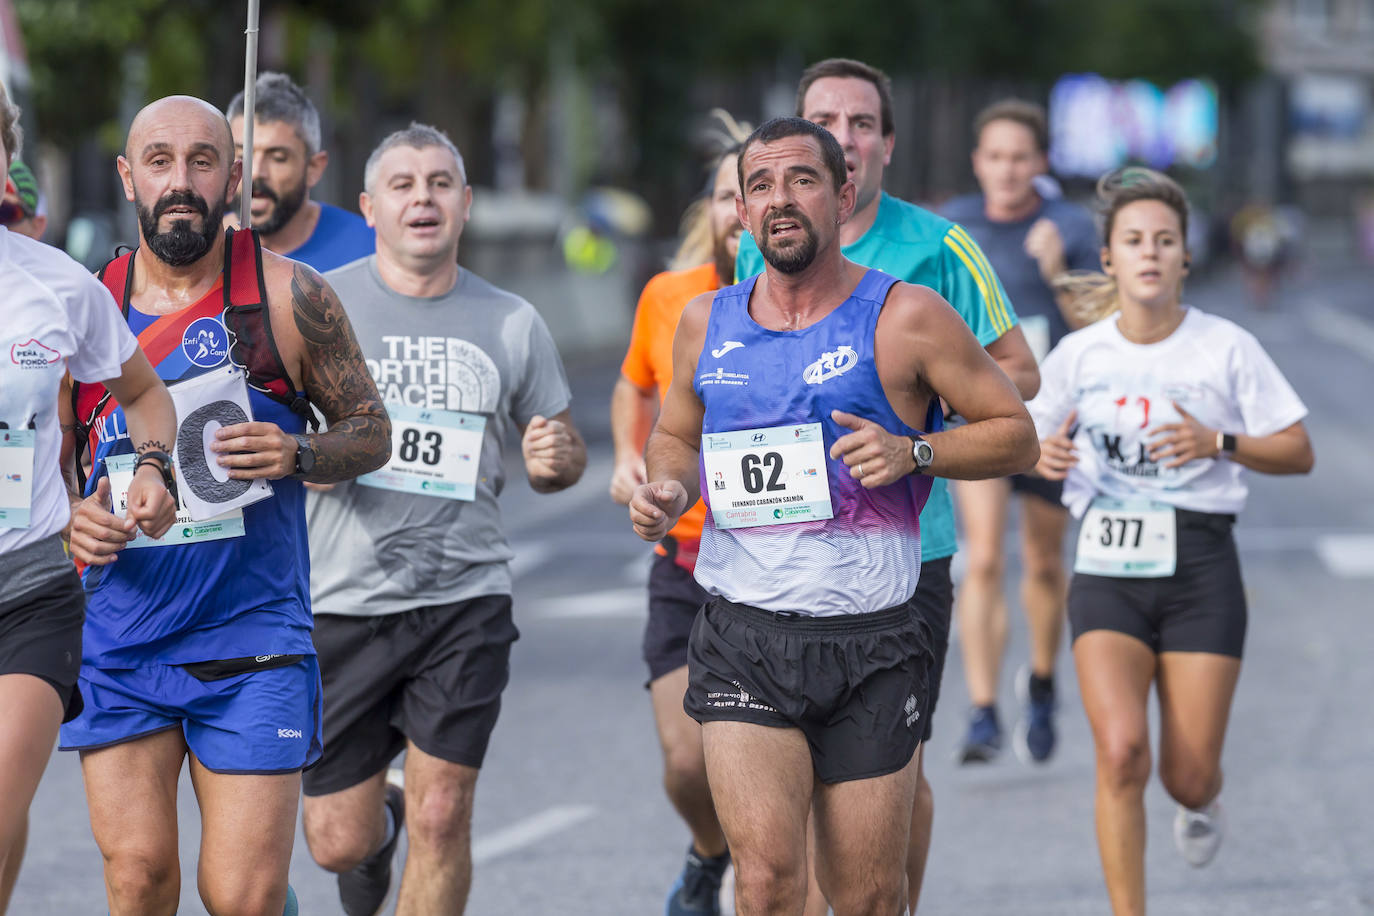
867,556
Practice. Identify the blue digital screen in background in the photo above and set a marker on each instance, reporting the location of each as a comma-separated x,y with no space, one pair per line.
1098,124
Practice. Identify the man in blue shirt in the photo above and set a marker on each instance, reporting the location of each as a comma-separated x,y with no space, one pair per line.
1030,240
287,162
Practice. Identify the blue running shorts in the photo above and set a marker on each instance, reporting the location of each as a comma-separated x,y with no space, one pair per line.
258,722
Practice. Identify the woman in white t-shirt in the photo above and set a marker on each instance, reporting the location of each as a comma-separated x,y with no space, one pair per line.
1169,404
57,319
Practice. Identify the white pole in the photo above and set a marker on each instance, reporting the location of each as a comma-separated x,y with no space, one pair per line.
250,87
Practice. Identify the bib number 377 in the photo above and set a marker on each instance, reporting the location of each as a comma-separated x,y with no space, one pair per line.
1133,539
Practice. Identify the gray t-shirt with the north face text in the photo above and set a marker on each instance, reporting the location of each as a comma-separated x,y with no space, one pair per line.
477,349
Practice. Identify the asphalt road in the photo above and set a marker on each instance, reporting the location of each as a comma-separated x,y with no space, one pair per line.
571,818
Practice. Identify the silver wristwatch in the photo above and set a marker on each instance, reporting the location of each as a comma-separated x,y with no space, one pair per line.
921,453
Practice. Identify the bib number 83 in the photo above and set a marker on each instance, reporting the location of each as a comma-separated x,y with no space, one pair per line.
410,450
1120,537
751,466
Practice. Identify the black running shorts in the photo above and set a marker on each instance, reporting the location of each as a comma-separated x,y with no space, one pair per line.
934,605
1200,608
1051,491
40,634
433,675
674,600
856,686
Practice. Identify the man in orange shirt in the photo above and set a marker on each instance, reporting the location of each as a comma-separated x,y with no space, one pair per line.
674,596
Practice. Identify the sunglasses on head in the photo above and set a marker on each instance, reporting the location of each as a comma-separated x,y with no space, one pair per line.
11,213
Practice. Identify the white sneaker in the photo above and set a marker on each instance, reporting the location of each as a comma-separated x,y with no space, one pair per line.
1197,834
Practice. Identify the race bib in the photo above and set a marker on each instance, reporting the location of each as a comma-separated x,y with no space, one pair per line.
772,476
1132,539
433,453
184,530
16,477
204,404
1037,331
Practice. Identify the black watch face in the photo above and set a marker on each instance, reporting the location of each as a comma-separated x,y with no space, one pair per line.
305,460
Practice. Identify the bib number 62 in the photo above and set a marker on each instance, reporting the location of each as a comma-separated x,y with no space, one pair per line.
752,467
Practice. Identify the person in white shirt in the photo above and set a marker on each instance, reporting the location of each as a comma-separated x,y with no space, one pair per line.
58,318
1149,416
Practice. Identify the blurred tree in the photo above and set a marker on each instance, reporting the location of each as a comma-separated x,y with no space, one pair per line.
446,60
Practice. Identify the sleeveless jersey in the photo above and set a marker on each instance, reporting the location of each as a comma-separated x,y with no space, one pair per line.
217,599
867,557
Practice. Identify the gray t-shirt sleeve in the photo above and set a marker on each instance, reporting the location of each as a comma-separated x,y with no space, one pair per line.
542,388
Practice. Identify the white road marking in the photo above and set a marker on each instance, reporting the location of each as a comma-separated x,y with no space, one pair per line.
529,831
1341,328
629,602
1350,556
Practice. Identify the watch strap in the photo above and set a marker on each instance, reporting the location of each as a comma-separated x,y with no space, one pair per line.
164,467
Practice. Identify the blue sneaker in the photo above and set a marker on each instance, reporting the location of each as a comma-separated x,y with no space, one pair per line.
1034,737
984,740
697,889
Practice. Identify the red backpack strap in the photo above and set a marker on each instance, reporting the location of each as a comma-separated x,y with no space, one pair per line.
118,277
248,320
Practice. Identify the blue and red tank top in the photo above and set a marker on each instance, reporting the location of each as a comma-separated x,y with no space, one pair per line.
868,556
217,599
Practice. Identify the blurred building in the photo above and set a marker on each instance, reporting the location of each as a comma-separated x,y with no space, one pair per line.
1319,104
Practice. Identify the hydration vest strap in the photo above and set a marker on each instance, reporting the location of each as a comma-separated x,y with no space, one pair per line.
248,318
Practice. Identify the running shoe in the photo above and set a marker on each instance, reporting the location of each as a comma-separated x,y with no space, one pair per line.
363,889
1034,736
984,740
697,889
1197,834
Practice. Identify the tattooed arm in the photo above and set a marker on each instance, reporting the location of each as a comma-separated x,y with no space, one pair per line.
336,380
317,342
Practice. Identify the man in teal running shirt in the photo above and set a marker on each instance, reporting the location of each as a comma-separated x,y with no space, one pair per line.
854,102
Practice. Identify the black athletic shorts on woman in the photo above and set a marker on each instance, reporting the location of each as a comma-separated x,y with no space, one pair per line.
857,686
433,675
40,628
1200,608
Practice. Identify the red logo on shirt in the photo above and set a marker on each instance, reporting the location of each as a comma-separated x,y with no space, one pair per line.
32,354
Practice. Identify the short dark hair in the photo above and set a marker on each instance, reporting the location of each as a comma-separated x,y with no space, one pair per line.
781,128
1028,114
279,100
844,67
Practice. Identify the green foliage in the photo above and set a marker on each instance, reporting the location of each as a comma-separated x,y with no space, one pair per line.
654,52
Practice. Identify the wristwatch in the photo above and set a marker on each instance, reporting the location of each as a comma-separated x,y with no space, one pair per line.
164,467
1226,444
305,456
921,453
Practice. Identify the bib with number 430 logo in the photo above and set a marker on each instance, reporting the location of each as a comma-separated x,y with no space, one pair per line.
1127,538
773,476
433,453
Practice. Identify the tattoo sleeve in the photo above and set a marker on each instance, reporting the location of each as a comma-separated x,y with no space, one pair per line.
336,380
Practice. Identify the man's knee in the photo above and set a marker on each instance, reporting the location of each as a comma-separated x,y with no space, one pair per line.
143,881
767,882
441,818
684,767
870,895
250,895
337,843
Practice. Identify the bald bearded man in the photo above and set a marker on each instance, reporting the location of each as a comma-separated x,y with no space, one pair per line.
198,646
